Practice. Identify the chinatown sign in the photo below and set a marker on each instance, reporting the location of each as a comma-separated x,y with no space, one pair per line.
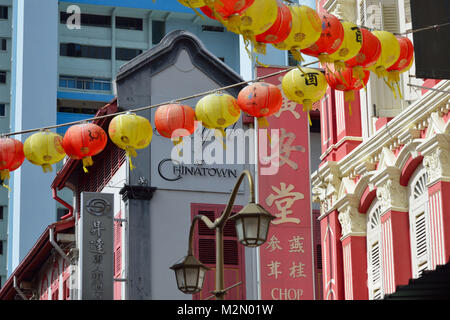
286,259
96,246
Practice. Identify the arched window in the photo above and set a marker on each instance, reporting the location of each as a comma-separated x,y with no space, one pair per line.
44,288
374,252
418,221
55,281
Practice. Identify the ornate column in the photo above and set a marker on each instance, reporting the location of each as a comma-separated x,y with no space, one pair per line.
436,153
325,192
396,256
353,241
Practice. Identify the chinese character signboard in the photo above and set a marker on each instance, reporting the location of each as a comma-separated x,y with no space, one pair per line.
96,256
286,260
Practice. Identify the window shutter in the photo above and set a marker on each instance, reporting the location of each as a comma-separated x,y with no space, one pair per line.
117,257
55,281
390,16
374,256
205,250
418,222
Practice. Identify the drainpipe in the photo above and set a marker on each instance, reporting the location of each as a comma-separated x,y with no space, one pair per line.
20,292
58,248
65,204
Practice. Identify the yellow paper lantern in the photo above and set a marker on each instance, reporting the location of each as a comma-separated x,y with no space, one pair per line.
130,132
305,31
43,149
390,51
351,44
304,86
217,111
256,19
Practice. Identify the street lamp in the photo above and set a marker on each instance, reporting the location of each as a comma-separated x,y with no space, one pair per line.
252,225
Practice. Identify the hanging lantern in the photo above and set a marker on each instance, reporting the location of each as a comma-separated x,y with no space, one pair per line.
217,111
256,19
305,31
390,52
175,121
44,148
223,9
330,38
260,100
351,44
367,56
344,80
83,141
279,31
130,132
402,64
11,157
304,87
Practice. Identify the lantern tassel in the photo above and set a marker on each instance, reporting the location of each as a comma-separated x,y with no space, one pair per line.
260,47
324,58
177,141
234,22
4,174
219,133
349,96
307,106
381,72
47,168
87,162
263,123
131,152
339,65
358,72
296,55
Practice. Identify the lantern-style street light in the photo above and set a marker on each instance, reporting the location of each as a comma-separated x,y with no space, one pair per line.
252,226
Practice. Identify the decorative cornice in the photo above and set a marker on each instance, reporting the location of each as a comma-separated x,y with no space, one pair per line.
137,192
436,153
353,223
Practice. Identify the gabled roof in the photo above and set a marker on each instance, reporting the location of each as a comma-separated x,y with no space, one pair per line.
35,258
166,52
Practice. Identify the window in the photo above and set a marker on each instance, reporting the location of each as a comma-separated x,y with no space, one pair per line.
158,31
92,20
2,76
1,212
84,84
3,45
418,219
129,23
44,289
374,254
3,12
83,51
205,251
291,61
55,281
2,109
127,54
1,247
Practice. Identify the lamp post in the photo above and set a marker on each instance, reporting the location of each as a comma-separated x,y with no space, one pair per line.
252,226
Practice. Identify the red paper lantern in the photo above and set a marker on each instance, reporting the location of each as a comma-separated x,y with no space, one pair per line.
83,141
281,28
175,121
402,63
11,156
260,100
226,8
406,55
367,56
345,81
330,39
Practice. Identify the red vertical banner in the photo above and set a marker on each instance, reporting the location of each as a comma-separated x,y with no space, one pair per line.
286,259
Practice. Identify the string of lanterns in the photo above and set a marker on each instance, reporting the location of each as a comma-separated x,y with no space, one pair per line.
347,52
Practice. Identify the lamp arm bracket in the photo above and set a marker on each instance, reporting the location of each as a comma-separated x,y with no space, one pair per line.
209,224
